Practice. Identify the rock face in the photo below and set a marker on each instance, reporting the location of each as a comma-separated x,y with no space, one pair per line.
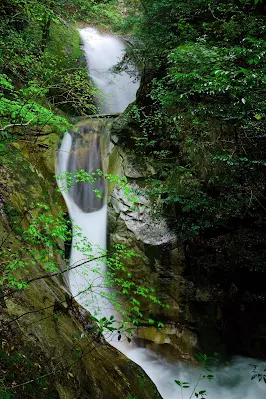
161,259
213,283
50,348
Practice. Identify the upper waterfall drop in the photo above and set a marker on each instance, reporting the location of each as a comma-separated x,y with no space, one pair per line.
103,52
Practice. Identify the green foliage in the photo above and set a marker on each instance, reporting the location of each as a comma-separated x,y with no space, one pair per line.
42,69
118,277
4,393
202,113
206,363
104,12
22,107
40,246
115,258
67,179
65,72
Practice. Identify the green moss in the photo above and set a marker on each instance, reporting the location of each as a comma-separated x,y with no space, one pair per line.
106,15
64,47
70,88
65,392
14,217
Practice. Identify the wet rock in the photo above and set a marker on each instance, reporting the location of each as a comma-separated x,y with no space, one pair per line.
161,259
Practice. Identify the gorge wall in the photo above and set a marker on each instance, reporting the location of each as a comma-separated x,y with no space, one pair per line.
161,258
213,282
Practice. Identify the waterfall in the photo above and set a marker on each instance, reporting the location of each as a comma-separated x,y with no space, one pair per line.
87,148
102,52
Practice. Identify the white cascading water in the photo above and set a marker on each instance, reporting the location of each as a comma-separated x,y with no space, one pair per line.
232,381
102,53
88,214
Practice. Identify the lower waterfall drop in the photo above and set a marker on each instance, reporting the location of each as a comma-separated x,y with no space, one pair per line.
81,149
86,148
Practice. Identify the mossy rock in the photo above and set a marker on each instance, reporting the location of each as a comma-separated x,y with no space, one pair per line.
47,338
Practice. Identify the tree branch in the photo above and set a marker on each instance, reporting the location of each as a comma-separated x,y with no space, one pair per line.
18,124
55,274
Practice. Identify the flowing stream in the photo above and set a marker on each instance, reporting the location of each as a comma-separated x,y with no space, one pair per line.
87,148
